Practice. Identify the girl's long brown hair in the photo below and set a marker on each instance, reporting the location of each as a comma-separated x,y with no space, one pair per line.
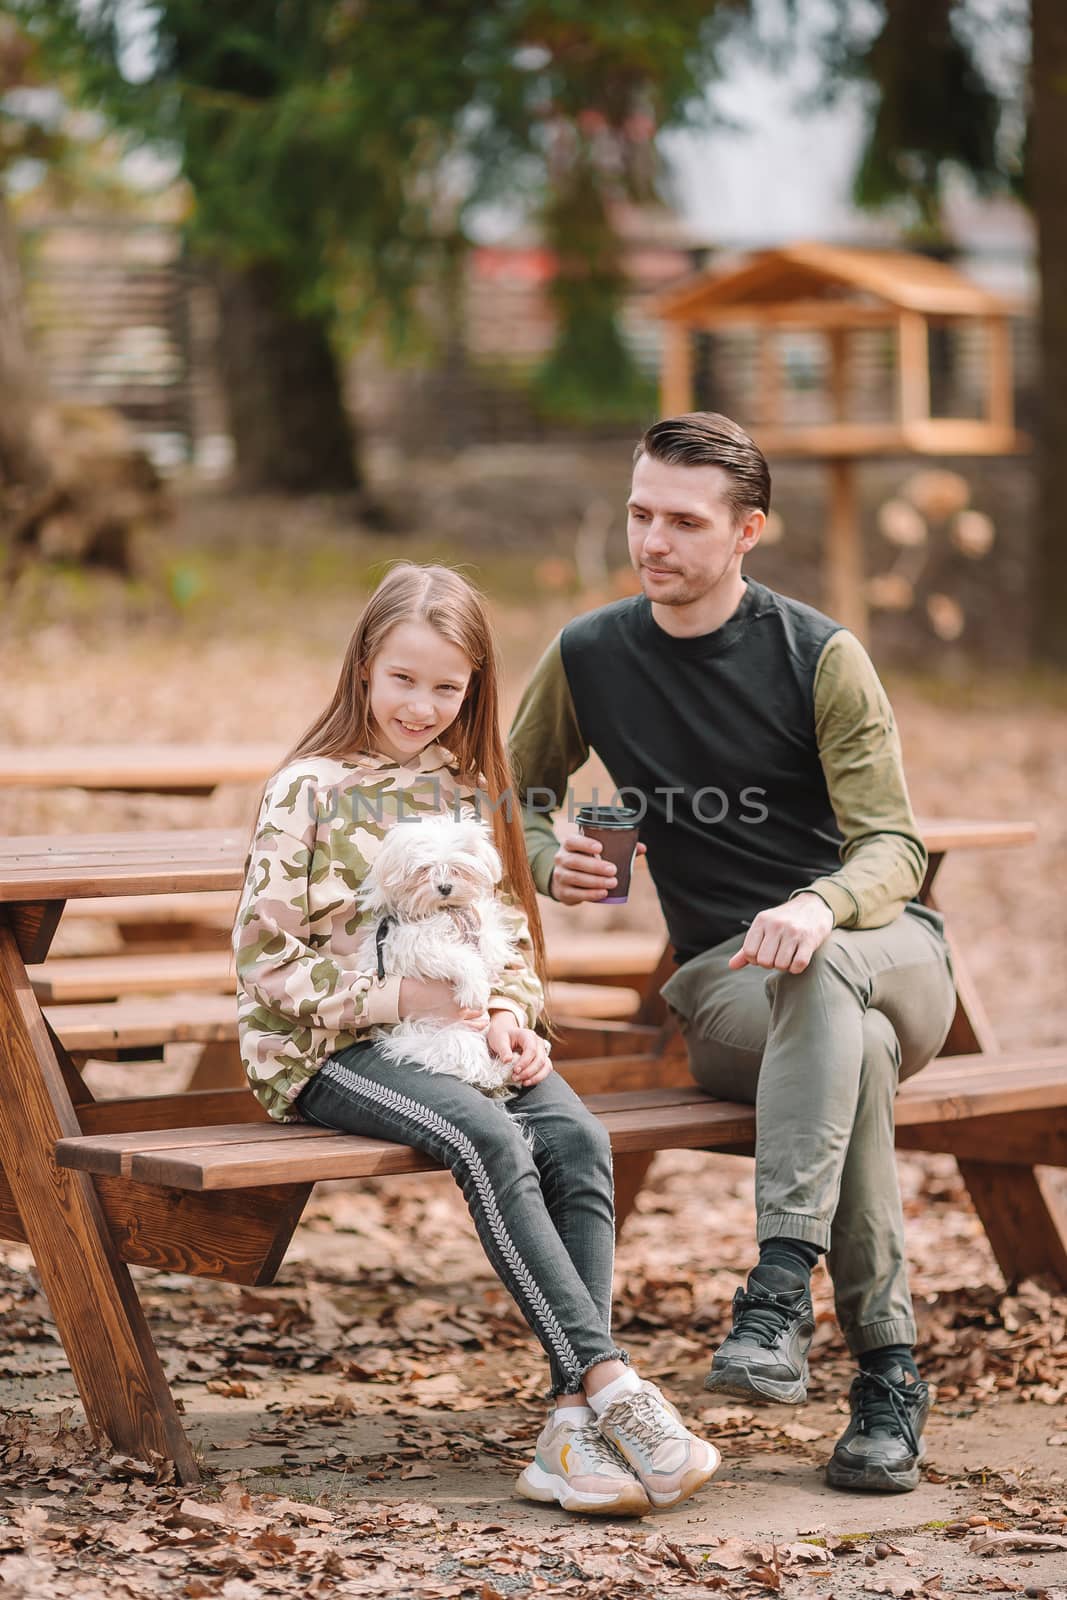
458,612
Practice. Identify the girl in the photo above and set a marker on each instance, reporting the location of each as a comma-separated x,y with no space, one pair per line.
536,1169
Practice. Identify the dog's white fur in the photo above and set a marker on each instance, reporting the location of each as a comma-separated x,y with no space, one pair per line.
436,880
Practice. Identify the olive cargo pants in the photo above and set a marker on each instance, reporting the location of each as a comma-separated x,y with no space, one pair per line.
820,1054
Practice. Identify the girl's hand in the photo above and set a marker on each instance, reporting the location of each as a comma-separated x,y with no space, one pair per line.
433,997
525,1050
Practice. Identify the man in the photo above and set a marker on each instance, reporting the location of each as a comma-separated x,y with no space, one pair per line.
753,734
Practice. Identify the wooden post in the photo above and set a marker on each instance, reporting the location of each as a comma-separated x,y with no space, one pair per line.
676,375
838,339
913,371
843,577
768,407
1000,407
842,551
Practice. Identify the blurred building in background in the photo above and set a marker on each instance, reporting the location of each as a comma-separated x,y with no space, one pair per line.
122,319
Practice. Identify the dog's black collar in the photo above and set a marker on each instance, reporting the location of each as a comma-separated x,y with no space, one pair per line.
379,944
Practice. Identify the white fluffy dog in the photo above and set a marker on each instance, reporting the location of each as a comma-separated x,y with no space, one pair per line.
431,886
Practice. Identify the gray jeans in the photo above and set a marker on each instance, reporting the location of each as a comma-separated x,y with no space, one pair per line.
536,1174
820,1054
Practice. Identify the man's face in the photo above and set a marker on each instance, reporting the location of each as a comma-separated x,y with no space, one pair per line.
682,534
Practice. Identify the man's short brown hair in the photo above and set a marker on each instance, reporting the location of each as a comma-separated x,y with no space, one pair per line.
706,439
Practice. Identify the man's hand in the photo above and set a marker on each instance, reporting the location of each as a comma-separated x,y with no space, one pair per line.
579,874
433,997
525,1050
787,936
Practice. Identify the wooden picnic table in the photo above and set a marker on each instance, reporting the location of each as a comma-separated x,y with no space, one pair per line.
172,769
187,770
84,1228
58,867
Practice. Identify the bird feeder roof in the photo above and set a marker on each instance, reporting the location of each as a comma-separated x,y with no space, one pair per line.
772,279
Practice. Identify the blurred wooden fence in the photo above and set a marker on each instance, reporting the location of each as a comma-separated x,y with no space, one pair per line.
120,320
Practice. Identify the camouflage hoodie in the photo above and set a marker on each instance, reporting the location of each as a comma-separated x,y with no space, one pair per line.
301,996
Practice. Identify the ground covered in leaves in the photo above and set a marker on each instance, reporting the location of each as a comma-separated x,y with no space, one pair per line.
361,1422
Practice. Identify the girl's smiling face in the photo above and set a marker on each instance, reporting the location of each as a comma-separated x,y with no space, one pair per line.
416,685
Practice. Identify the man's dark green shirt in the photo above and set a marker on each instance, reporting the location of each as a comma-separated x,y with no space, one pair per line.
763,757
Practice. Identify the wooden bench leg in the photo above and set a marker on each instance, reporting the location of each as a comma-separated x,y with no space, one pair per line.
630,1174
632,1170
89,1289
1024,1219
10,1220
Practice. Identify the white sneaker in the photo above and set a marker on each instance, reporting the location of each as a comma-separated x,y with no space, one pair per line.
648,1433
578,1469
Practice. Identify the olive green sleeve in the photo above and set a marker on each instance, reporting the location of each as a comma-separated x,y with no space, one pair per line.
883,856
545,745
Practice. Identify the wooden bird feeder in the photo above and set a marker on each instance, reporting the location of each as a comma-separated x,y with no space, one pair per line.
838,295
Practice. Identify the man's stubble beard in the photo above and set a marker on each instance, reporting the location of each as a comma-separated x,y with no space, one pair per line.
687,591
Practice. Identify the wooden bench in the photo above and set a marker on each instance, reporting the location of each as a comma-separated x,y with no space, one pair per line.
116,1006
222,1198
143,1022
201,1182
188,770
65,979
166,769
146,922
183,997
69,979
1023,1094
136,1029
173,922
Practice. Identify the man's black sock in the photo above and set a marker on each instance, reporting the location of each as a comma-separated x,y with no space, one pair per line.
888,1357
795,1256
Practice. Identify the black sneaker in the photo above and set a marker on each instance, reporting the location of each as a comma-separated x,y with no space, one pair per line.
882,1446
765,1354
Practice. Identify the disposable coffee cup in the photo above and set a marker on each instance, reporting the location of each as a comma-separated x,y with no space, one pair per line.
616,828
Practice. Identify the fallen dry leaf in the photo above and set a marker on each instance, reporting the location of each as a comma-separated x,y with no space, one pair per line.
303,1510
990,1544
802,1554
731,1554
800,1432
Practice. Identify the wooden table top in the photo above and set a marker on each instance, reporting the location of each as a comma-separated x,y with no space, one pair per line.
40,867
144,768
79,866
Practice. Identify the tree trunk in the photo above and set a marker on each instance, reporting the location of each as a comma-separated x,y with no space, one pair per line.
23,464
290,429
1048,194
